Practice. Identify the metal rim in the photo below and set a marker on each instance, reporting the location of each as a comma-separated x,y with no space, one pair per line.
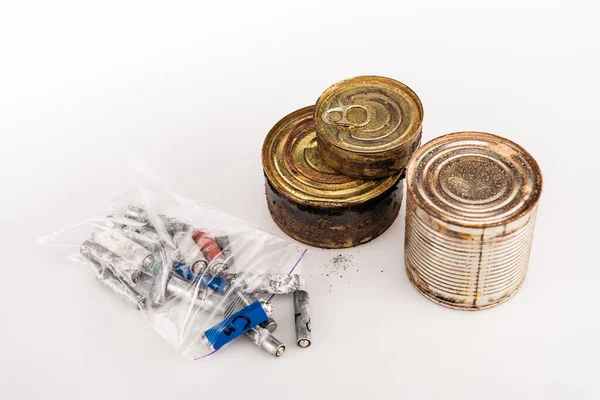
456,306
292,165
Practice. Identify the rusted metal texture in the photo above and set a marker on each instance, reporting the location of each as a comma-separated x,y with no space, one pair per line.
471,205
368,126
313,203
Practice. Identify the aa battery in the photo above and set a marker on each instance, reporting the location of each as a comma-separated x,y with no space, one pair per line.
273,283
211,250
246,299
114,284
207,244
239,300
141,234
119,266
162,273
146,242
119,244
216,283
184,290
189,253
263,339
184,271
302,318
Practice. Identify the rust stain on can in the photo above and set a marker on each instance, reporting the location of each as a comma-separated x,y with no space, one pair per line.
368,126
471,205
313,203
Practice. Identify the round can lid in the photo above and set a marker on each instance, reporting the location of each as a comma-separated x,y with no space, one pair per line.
474,179
293,165
369,114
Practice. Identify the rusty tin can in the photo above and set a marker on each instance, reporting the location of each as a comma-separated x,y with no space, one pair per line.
313,203
368,126
472,200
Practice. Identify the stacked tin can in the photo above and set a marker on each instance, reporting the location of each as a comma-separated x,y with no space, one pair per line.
334,171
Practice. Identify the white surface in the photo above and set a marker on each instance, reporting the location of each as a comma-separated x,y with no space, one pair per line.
192,89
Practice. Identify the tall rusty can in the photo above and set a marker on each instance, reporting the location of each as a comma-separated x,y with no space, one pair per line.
313,203
472,200
368,126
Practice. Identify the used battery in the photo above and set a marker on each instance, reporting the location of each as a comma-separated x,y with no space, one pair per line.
211,250
184,271
263,339
472,200
216,283
235,325
302,318
189,253
313,203
179,288
122,268
162,273
238,299
123,247
270,325
368,126
146,242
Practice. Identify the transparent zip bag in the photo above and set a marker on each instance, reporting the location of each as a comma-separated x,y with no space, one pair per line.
201,277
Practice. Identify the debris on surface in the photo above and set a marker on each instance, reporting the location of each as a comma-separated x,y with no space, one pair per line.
337,267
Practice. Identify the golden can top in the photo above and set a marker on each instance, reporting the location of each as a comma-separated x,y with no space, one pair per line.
474,179
369,121
293,165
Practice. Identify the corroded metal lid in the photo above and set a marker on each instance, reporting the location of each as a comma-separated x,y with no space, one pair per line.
293,165
474,179
368,126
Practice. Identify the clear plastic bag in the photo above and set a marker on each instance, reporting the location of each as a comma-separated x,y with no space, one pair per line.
202,278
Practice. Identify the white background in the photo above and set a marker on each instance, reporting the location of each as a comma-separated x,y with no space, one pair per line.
192,89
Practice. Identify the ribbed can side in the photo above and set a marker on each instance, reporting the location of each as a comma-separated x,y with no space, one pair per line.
466,269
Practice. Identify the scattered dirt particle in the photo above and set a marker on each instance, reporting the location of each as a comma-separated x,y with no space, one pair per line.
337,266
